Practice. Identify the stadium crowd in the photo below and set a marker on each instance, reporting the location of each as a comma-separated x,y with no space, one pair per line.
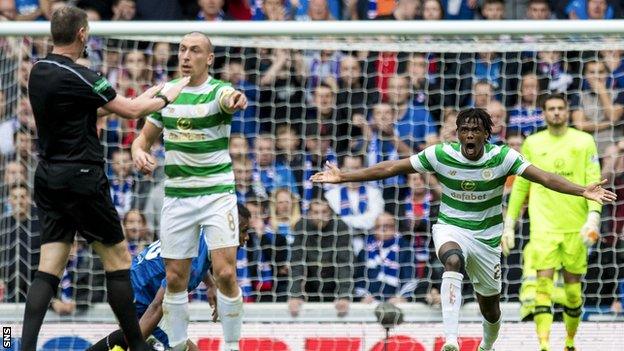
353,242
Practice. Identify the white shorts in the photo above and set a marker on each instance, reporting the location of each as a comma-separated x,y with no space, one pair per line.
482,261
183,217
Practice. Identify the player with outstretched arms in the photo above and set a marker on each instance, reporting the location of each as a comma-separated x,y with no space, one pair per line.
561,225
472,174
199,189
148,281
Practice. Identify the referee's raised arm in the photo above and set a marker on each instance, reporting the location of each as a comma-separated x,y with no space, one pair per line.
150,101
71,188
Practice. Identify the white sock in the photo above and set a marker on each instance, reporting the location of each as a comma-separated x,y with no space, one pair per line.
490,333
231,315
451,302
176,317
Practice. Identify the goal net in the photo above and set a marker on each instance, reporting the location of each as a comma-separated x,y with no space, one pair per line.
354,100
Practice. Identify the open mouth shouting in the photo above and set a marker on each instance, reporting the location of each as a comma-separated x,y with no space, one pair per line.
470,149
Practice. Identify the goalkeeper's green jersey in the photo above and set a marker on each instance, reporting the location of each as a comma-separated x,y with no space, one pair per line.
572,155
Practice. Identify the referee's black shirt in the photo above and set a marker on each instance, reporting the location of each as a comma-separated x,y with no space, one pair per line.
65,97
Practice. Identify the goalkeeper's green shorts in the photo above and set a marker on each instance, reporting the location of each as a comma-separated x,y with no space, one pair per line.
554,250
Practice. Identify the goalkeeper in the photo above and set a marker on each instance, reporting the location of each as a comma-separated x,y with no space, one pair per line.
148,281
529,283
562,226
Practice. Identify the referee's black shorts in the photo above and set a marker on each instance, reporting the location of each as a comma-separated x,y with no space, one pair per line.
75,197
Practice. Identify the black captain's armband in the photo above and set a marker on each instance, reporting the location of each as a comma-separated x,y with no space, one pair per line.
164,98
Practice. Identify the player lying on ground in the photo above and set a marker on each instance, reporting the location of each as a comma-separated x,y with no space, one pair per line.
148,281
472,174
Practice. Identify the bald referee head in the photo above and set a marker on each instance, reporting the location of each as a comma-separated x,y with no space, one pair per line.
71,188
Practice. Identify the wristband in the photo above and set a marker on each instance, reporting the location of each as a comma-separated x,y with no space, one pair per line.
164,98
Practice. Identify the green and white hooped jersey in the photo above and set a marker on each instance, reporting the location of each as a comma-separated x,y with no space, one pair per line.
472,191
196,136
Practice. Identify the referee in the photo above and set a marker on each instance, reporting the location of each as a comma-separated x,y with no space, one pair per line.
71,189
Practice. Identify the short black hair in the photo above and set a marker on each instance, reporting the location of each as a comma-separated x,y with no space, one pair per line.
116,2
22,130
65,24
553,96
19,185
475,114
545,2
358,156
323,84
243,212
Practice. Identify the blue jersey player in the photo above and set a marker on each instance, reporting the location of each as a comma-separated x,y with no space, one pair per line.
148,281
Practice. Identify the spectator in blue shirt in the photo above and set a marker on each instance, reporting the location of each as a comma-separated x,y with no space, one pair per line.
267,256
414,123
459,9
615,64
307,9
28,10
527,117
246,186
426,90
285,212
271,174
488,66
589,9
270,10
244,121
389,269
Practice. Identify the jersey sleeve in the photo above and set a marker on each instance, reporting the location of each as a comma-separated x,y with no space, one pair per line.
156,119
519,162
421,161
223,88
89,86
592,171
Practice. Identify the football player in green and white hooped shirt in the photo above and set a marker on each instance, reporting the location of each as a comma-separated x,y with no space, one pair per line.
199,189
470,224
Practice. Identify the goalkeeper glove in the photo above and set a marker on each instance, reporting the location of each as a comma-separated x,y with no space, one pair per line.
590,232
509,235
